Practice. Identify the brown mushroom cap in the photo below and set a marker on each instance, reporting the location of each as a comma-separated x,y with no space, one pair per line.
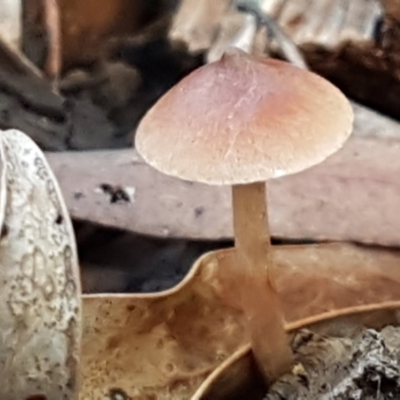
244,119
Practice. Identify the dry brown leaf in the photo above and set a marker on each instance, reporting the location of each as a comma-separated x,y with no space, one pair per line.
40,289
165,345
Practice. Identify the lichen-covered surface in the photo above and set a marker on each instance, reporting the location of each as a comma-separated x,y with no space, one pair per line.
366,367
39,280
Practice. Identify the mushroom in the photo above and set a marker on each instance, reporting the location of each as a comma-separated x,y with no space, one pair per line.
241,121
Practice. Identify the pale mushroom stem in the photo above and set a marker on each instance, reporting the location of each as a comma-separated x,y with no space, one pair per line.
259,298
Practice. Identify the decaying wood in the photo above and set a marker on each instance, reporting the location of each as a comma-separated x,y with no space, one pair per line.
40,305
351,196
166,344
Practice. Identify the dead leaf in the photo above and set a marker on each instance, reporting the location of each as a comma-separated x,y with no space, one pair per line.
167,344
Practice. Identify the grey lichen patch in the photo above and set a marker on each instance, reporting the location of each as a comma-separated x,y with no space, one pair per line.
40,297
366,367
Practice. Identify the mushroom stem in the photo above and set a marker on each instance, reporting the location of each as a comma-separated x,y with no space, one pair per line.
259,298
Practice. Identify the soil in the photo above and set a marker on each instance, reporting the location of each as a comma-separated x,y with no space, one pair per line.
118,261
365,367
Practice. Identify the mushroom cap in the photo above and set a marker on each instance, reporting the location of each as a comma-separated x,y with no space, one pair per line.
244,119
